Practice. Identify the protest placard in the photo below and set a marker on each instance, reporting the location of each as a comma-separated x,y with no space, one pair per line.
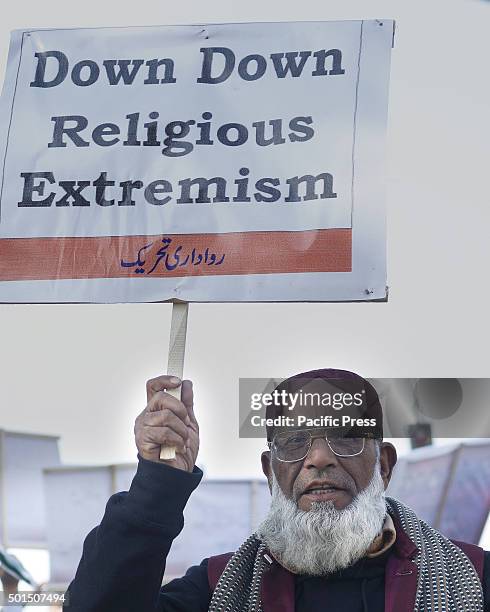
230,162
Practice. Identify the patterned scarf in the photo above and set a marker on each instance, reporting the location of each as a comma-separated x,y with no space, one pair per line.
447,580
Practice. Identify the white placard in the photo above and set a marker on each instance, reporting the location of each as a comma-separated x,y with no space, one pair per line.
231,162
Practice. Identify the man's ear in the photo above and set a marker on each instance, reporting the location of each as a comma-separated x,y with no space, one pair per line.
387,460
265,459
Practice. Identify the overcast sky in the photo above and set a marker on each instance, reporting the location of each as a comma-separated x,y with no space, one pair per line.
79,370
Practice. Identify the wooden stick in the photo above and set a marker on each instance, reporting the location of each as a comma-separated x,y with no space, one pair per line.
176,353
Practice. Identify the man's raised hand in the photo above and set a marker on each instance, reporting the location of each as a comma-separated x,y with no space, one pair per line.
167,421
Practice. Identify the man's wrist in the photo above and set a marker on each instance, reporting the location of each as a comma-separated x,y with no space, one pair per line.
160,492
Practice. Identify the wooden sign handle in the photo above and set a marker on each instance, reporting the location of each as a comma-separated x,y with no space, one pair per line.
176,353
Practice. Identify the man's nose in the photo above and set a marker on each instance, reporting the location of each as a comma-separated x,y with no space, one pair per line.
320,455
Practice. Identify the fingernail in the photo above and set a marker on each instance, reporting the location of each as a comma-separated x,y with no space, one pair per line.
187,420
174,380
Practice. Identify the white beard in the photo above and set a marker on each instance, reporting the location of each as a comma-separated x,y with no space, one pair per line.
323,540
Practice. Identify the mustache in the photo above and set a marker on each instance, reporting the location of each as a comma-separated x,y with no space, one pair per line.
324,476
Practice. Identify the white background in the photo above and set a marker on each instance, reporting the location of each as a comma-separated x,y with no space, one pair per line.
79,371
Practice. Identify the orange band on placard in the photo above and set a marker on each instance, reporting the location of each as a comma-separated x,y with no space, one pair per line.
174,255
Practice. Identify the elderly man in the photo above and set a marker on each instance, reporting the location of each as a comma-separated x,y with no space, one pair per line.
330,542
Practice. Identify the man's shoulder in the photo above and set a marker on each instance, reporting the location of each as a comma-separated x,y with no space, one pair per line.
479,557
466,546
216,565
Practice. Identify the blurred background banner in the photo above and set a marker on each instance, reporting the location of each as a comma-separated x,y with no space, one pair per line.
448,487
22,497
75,499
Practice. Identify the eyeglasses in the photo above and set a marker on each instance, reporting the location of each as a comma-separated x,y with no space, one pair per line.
290,446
